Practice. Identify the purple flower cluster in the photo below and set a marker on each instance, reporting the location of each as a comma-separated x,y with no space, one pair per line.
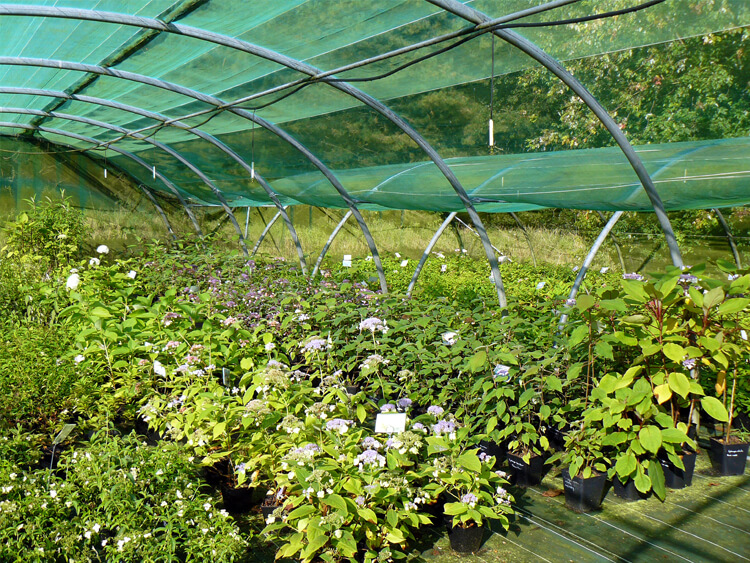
338,425
501,371
435,410
469,498
373,324
444,427
388,407
633,276
688,363
404,403
316,345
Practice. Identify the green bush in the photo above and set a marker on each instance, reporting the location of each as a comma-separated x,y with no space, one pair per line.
120,501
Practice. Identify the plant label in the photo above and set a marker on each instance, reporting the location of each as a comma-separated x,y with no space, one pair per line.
347,263
516,464
226,377
390,423
735,451
64,433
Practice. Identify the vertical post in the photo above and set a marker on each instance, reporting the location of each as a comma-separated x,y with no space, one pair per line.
426,254
730,237
590,258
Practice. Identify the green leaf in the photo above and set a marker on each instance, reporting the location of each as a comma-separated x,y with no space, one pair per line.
336,501
715,409
733,306
247,364
713,298
478,361
673,436
604,350
642,482
219,429
368,515
650,438
635,320
674,352
553,383
626,465
470,461
679,384
361,413
100,312
301,511
585,302
656,474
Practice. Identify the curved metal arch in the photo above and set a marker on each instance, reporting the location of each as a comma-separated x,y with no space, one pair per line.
180,125
159,210
730,237
265,232
328,243
125,153
169,150
428,250
216,102
475,16
294,64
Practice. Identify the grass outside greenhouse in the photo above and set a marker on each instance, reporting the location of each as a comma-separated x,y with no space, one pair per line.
227,409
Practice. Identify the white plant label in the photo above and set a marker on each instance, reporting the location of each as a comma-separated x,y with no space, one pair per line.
390,423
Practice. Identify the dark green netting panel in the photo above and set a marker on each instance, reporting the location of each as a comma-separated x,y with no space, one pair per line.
374,160
32,170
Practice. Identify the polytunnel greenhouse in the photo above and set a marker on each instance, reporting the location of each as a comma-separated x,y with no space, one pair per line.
237,326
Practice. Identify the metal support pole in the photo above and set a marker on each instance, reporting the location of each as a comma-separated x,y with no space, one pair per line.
614,241
526,234
426,254
247,221
590,258
159,209
730,237
328,244
526,46
265,231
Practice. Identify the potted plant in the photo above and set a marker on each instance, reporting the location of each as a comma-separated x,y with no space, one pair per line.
728,451
585,477
477,493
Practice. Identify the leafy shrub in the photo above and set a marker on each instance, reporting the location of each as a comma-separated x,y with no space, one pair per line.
36,387
120,501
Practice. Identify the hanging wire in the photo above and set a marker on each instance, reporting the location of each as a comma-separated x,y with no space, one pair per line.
153,156
492,97
252,149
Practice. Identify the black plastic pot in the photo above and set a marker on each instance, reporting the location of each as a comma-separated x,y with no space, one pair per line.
493,449
556,438
239,500
525,474
584,495
466,540
676,478
267,510
352,389
728,459
627,491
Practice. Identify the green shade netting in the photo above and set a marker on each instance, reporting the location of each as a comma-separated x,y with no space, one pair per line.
326,35
693,175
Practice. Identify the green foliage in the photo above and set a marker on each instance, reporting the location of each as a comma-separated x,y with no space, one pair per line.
119,501
38,378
